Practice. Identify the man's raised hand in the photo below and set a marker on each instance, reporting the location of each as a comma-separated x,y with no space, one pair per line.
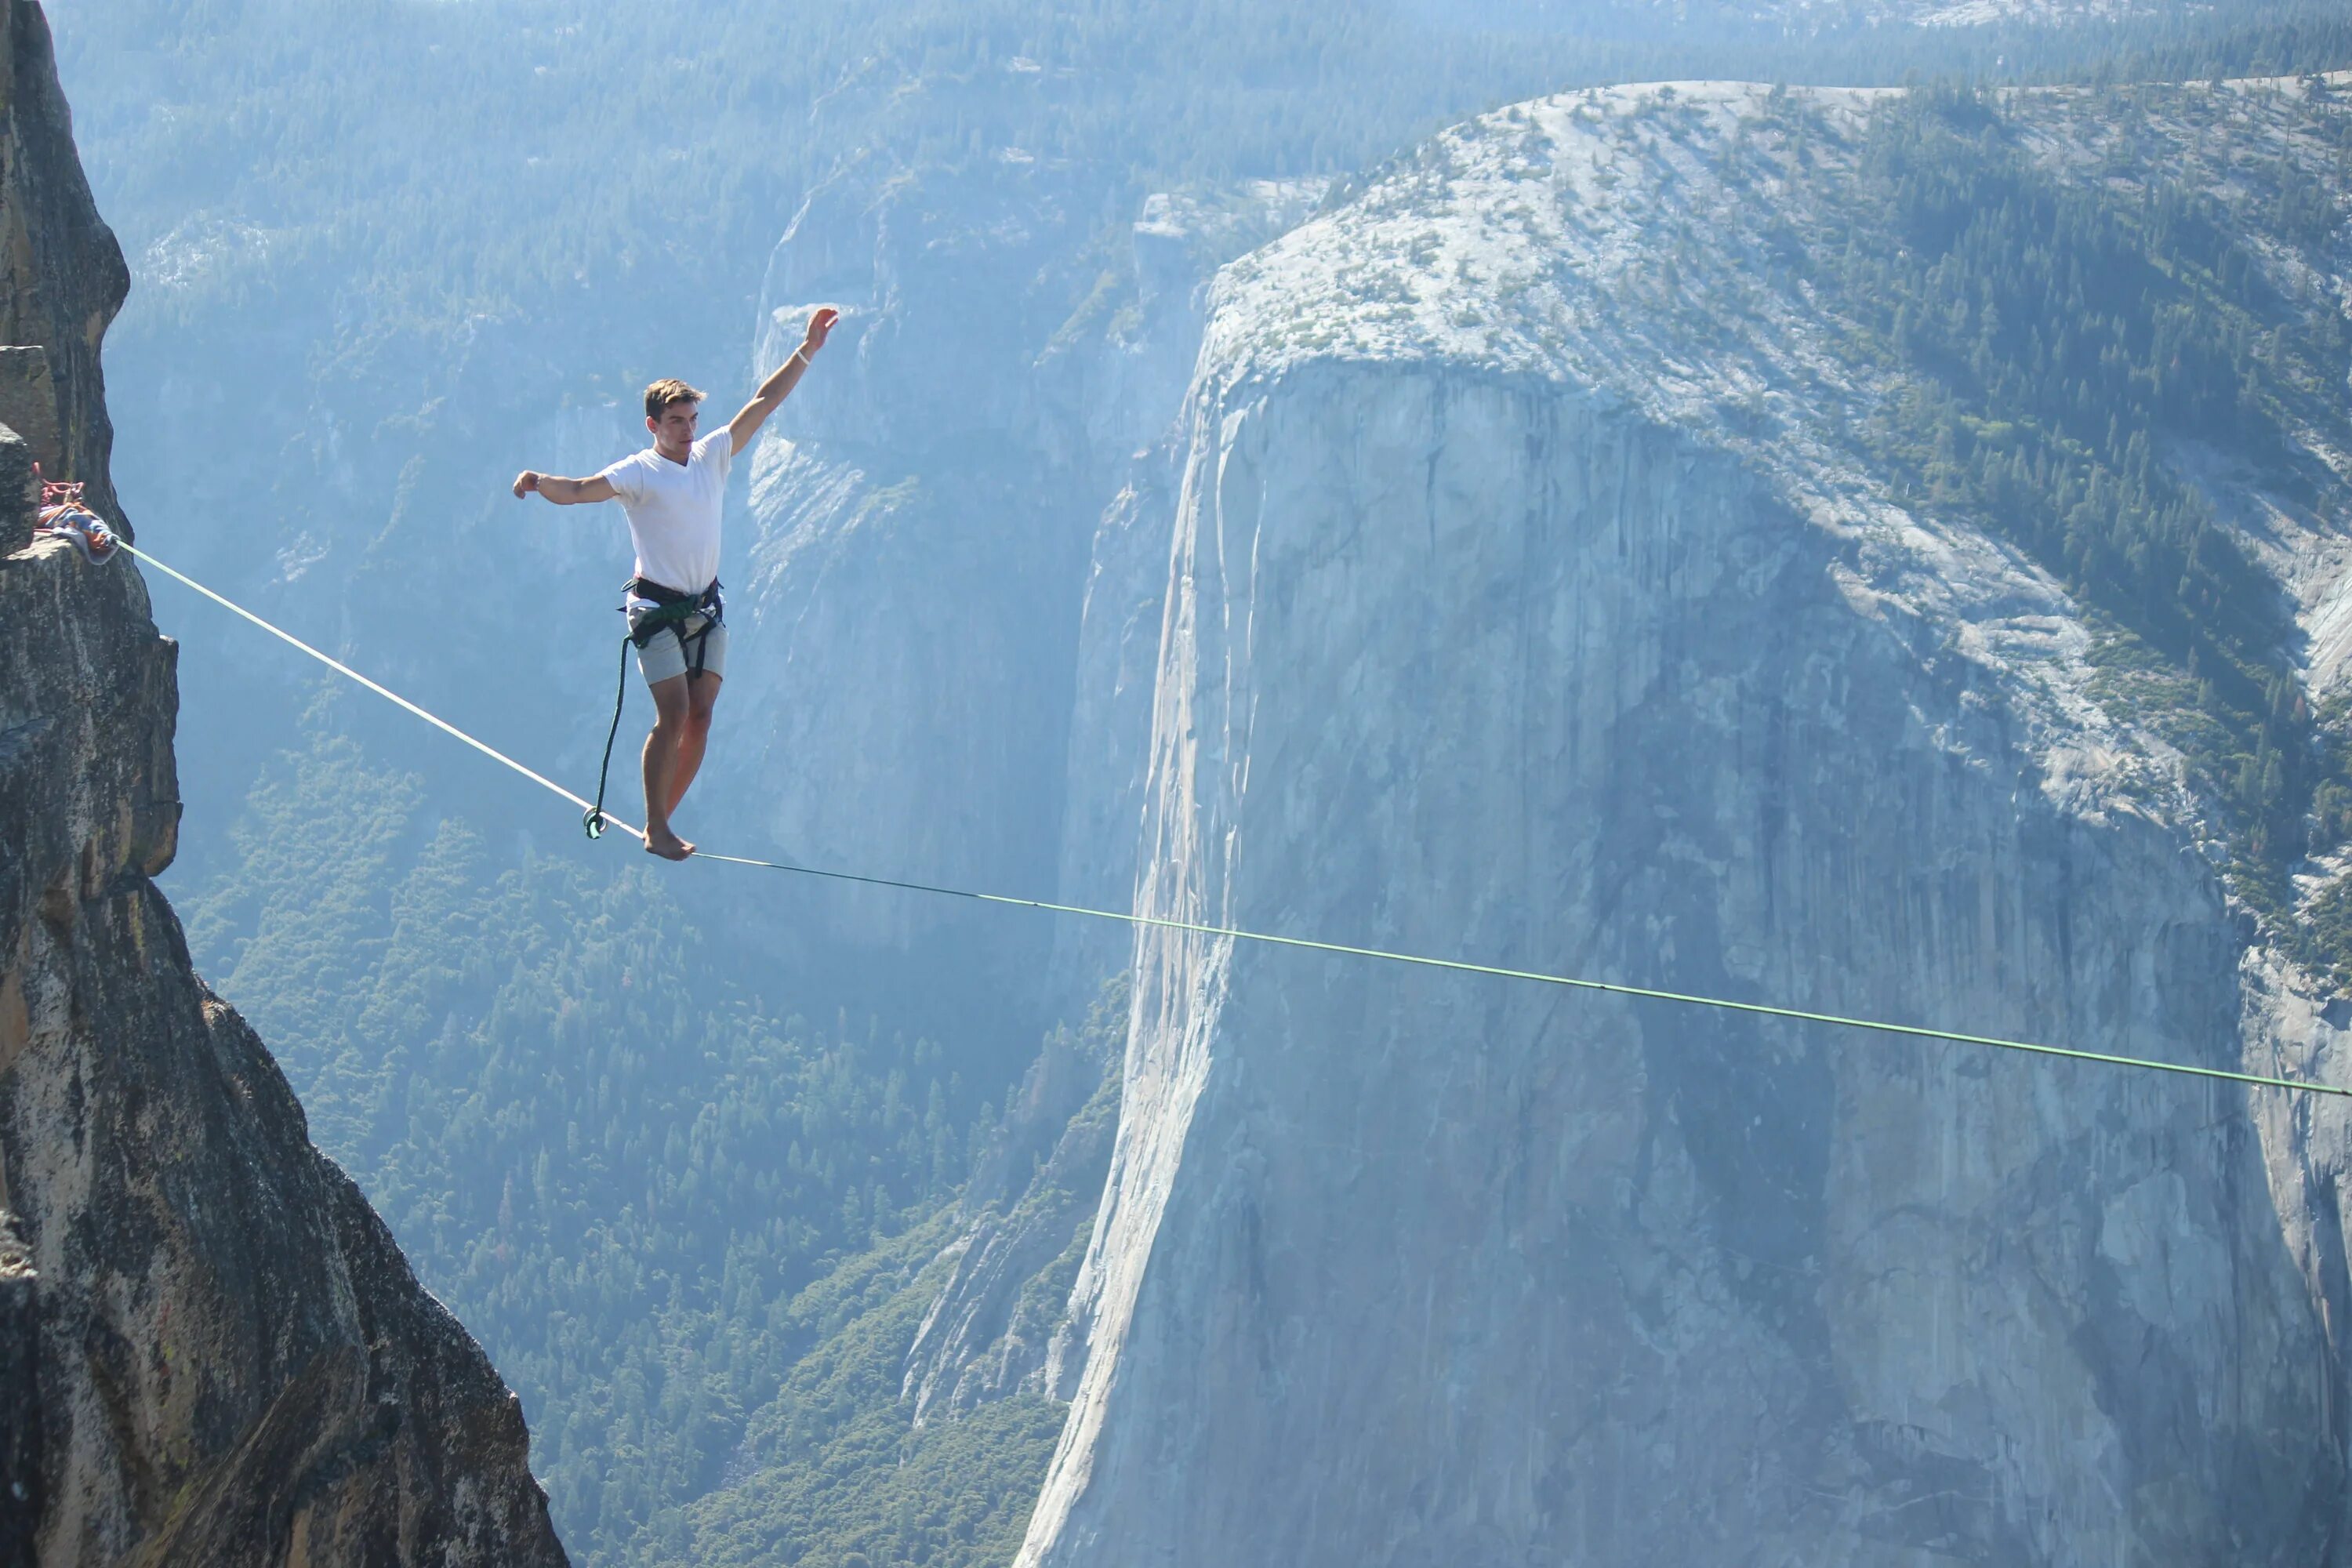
821,324
779,386
525,482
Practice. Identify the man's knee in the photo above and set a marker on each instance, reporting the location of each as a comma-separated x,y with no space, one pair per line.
703,696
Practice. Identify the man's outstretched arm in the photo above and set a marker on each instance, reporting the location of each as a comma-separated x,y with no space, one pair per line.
562,491
779,386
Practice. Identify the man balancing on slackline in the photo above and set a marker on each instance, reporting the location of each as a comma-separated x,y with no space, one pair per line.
672,494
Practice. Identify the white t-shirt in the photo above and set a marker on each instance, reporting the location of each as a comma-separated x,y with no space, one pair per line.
673,510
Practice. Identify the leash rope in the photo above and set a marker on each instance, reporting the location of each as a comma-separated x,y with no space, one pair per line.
672,618
594,820
1163,922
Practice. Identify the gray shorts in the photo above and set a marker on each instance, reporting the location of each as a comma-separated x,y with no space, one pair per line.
662,659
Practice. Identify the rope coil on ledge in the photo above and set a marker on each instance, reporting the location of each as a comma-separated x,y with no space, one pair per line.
595,816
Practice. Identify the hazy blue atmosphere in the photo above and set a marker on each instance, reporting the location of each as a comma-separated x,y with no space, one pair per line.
1361,473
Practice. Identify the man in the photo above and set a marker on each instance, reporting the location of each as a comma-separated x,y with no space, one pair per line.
672,494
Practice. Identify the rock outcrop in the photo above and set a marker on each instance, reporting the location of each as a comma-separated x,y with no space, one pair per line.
1531,604
211,1351
61,274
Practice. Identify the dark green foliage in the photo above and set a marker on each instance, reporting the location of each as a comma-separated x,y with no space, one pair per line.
839,1468
2291,41
2052,337
648,1194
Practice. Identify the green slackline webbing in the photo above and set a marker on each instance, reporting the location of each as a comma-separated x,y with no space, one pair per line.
1759,1009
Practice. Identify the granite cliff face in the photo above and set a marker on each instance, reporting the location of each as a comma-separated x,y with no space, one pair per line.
961,563
947,564
61,275
211,1352
1532,603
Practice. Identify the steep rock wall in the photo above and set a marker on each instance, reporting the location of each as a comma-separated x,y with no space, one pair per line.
232,1361
61,275
1408,1268
211,1352
1488,635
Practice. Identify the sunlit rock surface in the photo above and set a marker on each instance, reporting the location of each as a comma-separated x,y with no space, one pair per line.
1529,604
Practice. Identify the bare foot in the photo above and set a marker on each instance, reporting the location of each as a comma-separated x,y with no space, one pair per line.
661,841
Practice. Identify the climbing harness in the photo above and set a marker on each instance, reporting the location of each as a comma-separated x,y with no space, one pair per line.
667,610
1236,933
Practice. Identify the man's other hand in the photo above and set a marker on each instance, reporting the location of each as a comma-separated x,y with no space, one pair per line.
525,482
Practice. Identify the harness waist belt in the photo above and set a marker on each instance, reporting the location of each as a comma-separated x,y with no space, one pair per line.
672,609
663,593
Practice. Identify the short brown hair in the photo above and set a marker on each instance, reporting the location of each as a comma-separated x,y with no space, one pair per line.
662,394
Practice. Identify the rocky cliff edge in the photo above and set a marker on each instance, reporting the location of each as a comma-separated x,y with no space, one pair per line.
211,1351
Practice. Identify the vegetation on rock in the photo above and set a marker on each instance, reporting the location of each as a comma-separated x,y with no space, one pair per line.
690,1229
2054,337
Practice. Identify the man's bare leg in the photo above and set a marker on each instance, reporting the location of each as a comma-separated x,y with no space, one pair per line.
671,708
701,696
